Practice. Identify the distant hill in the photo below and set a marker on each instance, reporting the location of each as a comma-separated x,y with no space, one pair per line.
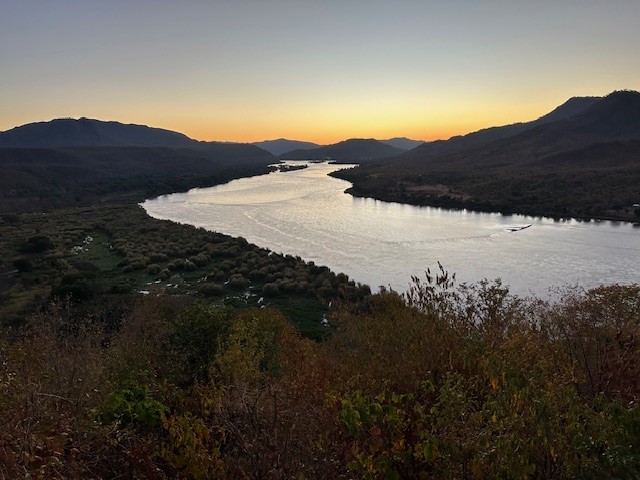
85,132
282,145
355,149
580,160
568,109
67,161
403,143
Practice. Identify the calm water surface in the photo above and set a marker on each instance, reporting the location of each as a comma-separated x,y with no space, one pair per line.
306,213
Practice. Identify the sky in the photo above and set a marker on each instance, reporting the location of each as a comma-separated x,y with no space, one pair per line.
320,71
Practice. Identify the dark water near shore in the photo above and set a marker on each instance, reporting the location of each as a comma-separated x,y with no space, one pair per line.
306,213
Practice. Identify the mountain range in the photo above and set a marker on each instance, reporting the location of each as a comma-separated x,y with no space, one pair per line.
571,107
86,132
67,161
582,159
578,123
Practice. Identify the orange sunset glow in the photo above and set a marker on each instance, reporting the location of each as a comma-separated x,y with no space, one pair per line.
257,70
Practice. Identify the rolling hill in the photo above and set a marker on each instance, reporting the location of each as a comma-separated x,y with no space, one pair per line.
104,160
403,143
282,145
85,132
571,107
352,150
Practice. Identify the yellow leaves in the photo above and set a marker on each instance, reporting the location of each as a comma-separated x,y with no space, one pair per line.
494,383
476,469
191,448
398,445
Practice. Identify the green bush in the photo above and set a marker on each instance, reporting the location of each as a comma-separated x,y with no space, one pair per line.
194,339
238,281
211,289
132,404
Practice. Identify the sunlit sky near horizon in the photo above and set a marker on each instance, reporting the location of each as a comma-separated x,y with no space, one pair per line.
318,71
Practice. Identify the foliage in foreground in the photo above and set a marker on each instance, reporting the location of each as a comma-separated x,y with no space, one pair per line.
446,382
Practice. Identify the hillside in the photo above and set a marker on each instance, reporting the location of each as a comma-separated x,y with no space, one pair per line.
355,149
282,145
568,109
85,132
33,178
403,143
584,165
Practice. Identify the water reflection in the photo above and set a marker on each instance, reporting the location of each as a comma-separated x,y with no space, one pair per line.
306,213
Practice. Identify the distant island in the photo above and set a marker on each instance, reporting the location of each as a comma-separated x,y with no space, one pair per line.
283,167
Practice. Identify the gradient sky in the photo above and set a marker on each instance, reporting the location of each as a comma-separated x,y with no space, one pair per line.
312,70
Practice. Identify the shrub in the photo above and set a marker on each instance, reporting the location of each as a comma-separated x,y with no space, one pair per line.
238,281
154,269
194,339
211,289
271,290
22,265
189,266
132,404
37,244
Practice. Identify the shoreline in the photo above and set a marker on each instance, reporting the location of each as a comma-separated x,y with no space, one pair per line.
450,203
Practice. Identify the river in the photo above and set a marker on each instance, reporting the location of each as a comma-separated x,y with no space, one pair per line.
306,213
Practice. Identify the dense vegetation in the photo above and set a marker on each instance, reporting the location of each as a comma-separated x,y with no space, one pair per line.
447,382
41,179
561,192
101,256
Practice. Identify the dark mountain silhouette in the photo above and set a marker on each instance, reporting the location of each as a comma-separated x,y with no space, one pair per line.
612,118
355,149
403,143
624,153
282,145
85,132
585,163
87,160
568,109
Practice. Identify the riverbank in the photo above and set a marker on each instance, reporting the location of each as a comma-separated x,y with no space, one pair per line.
307,214
166,355
586,195
457,203
110,254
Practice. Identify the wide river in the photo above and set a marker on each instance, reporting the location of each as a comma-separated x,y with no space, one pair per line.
306,213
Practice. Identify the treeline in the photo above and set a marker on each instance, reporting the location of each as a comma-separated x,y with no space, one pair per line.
446,382
574,193
36,179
